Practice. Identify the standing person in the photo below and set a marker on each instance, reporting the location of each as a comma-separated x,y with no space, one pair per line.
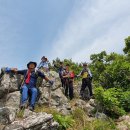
69,78
44,64
86,80
29,85
61,70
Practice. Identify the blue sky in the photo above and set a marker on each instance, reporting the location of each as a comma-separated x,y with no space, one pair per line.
73,29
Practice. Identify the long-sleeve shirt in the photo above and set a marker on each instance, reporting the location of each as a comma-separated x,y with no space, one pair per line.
33,77
43,64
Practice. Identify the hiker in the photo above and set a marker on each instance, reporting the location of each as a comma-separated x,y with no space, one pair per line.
61,70
29,84
44,64
86,80
69,79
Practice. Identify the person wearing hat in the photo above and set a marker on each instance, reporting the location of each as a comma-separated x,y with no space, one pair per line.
86,79
68,79
29,84
44,64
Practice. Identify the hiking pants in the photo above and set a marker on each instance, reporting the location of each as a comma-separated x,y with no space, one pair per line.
69,88
63,82
26,90
86,83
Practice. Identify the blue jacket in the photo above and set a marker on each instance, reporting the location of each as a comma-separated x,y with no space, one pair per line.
33,78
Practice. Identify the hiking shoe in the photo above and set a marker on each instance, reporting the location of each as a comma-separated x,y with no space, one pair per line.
31,108
23,106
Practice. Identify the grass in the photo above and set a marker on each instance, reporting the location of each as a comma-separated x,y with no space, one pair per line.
78,120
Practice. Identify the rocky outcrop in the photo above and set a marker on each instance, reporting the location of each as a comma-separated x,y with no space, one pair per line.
37,121
123,123
10,100
9,106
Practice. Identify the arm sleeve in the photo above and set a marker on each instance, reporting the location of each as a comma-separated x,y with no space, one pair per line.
90,73
7,70
40,74
39,65
22,72
80,73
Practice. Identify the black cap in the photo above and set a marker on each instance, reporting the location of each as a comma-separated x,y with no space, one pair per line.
31,62
85,64
67,64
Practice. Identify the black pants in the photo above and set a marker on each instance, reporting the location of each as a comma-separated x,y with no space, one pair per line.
63,82
69,88
86,82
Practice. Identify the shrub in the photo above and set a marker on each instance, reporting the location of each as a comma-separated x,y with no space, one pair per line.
110,101
64,121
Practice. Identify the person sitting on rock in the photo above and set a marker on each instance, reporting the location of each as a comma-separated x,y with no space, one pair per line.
86,80
69,78
44,64
29,84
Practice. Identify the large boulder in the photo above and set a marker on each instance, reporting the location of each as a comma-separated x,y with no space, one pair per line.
13,127
9,83
123,123
13,100
37,121
7,115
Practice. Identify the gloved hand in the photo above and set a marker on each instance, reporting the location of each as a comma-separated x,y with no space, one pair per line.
91,78
51,82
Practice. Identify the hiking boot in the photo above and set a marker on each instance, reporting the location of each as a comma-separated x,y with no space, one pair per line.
31,108
23,106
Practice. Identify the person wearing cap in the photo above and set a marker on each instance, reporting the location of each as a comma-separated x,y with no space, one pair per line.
68,79
86,79
29,85
44,64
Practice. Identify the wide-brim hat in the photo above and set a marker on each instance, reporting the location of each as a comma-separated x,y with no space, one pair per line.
31,62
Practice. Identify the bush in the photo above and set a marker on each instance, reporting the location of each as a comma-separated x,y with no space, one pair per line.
64,121
111,101
101,125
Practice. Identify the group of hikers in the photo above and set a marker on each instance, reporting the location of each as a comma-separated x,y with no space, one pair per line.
67,80
31,74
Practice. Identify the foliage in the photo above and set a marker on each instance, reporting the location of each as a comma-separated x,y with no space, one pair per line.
64,121
73,66
20,114
101,125
114,101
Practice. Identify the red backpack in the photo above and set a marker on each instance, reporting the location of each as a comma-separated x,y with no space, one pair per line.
72,75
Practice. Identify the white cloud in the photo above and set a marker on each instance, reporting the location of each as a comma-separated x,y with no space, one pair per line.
92,27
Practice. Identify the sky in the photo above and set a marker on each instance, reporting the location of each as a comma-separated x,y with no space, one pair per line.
30,29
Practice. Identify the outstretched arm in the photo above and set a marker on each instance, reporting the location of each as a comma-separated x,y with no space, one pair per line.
15,70
44,77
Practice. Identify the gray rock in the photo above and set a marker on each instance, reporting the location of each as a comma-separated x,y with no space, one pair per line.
80,103
28,113
13,100
7,115
13,127
101,116
37,121
2,127
8,84
92,102
89,109
123,122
